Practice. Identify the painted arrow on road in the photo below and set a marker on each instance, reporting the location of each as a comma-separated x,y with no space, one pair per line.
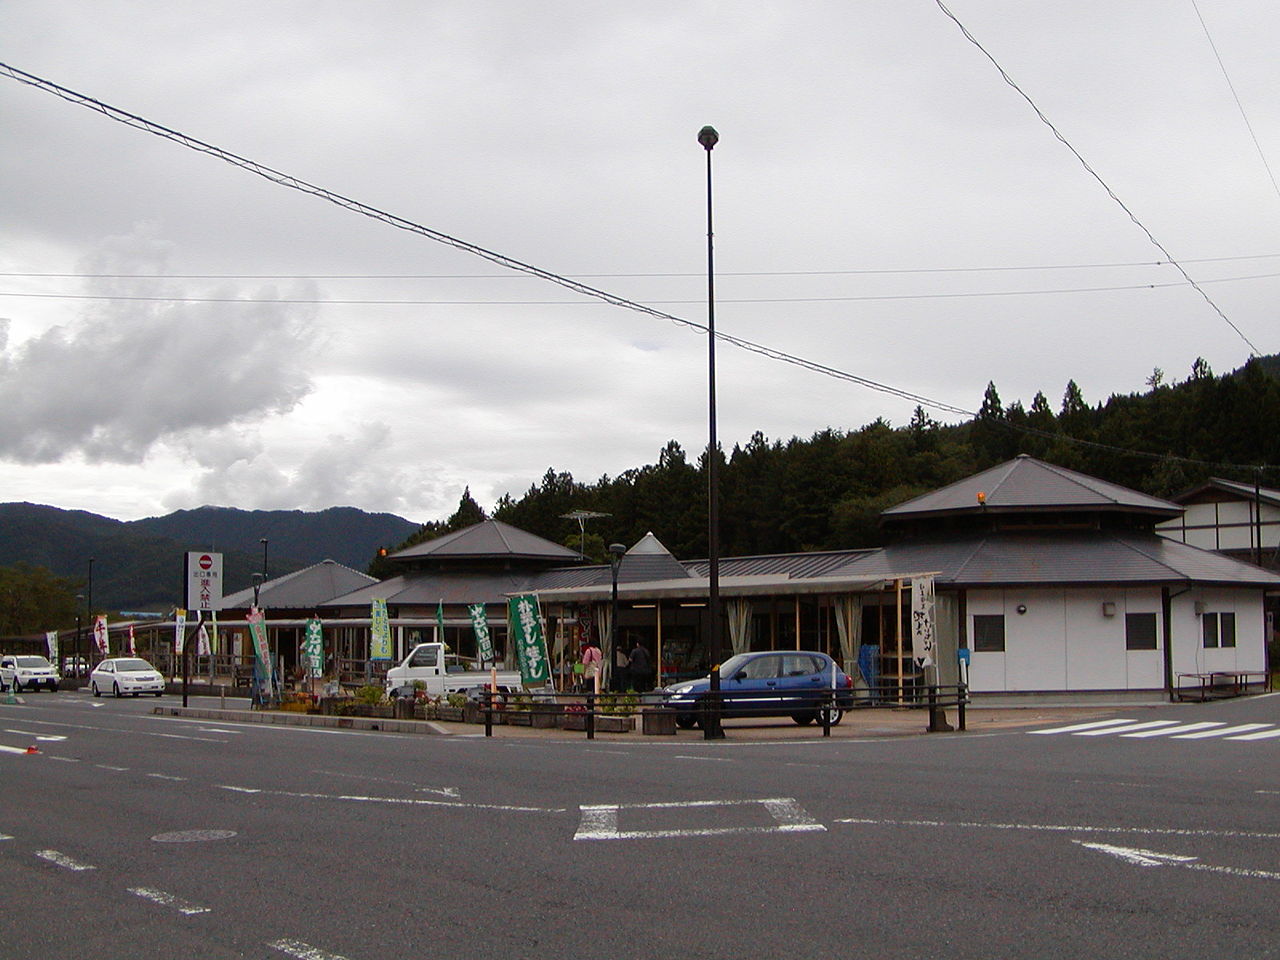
1139,857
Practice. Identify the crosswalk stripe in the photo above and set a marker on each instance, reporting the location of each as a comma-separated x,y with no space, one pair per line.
1182,728
1223,731
1260,735
1082,726
1132,726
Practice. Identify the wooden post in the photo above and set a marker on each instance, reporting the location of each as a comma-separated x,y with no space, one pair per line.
897,611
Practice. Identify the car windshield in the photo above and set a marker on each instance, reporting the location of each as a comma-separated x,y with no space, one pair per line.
131,665
733,664
33,662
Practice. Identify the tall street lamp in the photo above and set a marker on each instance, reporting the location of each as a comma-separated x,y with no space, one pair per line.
711,728
88,615
263,541
616,550
75,650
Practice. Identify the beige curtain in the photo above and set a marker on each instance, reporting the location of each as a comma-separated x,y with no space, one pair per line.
739,612
849,626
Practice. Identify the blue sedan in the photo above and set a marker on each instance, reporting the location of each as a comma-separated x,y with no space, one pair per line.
773,683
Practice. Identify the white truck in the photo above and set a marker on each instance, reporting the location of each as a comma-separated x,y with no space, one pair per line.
441,674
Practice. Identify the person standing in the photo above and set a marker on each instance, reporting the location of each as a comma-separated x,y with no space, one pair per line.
591,658
640,667
622,679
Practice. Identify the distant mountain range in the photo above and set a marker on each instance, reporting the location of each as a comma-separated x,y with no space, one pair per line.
138,564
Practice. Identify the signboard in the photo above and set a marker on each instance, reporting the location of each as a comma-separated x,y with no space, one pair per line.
204,581
261,650
480,623
313,649
524,627
379,632
924,635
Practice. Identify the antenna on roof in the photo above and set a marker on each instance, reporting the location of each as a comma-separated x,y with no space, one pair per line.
582,516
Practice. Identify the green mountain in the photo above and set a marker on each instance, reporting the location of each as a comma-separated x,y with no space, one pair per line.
137,565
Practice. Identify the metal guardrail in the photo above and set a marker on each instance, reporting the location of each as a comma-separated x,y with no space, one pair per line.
593,711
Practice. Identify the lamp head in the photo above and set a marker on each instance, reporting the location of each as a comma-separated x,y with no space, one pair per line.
708,137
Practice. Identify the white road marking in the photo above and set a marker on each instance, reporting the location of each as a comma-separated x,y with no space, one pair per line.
303,951
1150,858
4,749
62,860
1066,828
442,791
1260,735
600,821
398,801
39,736
1080,726
103,766
681,756
5,836
1184,728
1222,731
165,776
1147,725
132,733
167,900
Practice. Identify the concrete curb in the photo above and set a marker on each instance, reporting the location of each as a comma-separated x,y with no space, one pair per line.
282,718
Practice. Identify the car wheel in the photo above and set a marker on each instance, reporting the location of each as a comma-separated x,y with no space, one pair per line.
158,692
17,686
804,719
833,715
685,721
115,690
53,688
94,687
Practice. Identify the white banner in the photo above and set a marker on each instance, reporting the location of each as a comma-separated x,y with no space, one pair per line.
133,649
100,636
924,633
51,640
202,641
179,630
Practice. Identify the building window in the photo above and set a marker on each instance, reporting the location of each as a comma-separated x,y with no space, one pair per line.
1219,630
1140,631
988,633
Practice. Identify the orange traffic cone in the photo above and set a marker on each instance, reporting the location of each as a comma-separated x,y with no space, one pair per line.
33,749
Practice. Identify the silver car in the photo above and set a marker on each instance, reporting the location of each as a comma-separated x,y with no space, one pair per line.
121,675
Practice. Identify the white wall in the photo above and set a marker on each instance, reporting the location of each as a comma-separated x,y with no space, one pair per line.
1189,654
1065,641
1228,525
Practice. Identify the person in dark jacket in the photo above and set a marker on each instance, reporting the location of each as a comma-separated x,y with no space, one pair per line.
641,668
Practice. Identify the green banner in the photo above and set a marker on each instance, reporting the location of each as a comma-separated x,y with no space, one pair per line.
480,623
258,631
379,632
313,648
440,624
524,627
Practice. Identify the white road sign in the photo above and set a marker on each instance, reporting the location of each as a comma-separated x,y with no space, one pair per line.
204,581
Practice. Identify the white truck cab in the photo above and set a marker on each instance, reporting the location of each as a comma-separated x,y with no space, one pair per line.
440,673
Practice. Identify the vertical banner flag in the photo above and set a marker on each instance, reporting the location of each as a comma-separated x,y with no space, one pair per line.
180,630
262,652
133,649
213,630
524,627
379,632
440,624
51,641
100,636
480,623
202,641
313,648
924,638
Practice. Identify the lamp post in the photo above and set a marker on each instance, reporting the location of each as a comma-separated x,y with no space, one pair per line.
75,649
263,541
616,551
711,728
88,615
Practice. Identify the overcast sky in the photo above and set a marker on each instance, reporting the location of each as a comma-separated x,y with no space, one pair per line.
885,204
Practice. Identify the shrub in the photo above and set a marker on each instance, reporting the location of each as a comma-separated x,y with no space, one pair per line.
371,693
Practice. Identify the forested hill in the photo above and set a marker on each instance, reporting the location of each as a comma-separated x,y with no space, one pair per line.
827,491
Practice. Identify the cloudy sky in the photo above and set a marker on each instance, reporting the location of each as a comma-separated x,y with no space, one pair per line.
175,331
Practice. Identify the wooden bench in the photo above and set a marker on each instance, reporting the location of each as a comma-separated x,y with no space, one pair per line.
1220,684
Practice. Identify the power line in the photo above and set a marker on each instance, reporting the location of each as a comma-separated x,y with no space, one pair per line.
627,276
294,183
1093,173
345,301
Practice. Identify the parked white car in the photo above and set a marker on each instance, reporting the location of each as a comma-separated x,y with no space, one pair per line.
23,672
121,675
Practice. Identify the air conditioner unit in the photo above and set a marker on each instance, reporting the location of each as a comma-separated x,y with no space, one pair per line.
1199,607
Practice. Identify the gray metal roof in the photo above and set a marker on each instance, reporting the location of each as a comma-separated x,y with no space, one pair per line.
815,564
1239,491
1076,557
488,540
302,589
1028,485
428,588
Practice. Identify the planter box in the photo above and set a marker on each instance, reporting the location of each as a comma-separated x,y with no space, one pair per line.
658,722
519,718
450,714
546,717
615,724
574,721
